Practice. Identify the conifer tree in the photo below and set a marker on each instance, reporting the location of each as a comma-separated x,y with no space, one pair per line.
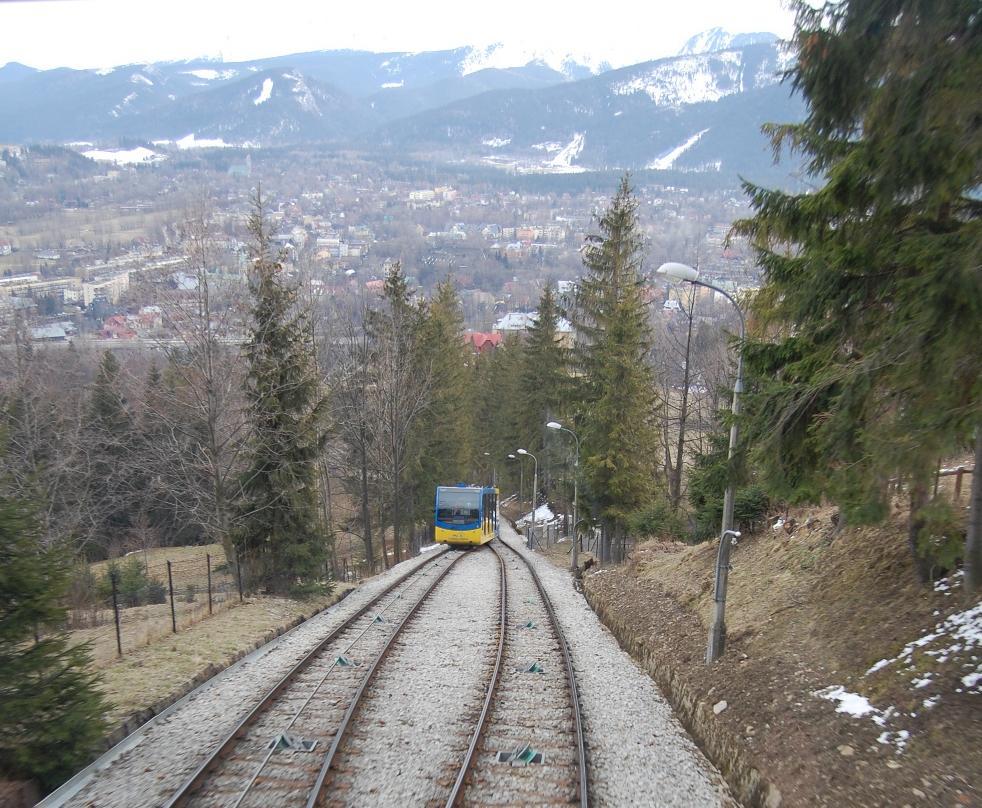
498,380
445,432
51,712
873,296
613,341
109,433
544,381
279,537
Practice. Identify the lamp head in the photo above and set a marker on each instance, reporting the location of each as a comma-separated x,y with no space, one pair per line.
513,457
522,452
678,272
554,425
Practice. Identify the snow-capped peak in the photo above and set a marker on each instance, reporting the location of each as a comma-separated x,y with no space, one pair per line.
502,56
716,39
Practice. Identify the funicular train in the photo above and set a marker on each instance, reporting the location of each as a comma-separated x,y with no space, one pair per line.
466,514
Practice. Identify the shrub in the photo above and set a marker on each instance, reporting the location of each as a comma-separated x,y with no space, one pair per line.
657,519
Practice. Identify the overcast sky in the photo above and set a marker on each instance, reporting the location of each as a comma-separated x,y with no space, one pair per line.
104,33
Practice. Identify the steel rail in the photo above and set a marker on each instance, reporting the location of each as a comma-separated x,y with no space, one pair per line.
458,785
316,791
570,678
193,783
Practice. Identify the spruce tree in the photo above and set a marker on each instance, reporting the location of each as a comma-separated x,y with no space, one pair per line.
51,712
544,381
445,432
109,502
614,386
279,535
872,294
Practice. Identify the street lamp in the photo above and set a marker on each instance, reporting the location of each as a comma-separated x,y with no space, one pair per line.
494,470
576,473
717,631
521,477
535,486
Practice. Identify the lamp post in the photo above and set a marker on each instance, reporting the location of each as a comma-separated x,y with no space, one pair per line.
576,473
494,470
535,487
521,477
717,631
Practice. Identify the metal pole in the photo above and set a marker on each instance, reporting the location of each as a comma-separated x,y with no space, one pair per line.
535,490
170,586
717,630
119,639
208,562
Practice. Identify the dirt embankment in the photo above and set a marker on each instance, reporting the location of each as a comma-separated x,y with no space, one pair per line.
844,682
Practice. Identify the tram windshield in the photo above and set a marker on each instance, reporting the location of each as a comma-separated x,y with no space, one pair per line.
458,506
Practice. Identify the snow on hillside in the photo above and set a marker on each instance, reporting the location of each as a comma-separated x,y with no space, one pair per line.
716,39
668,159
502,56
569,153
207,74
690,80
121,157
265,94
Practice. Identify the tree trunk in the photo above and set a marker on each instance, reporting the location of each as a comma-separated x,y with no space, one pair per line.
915,523
973,541
396,514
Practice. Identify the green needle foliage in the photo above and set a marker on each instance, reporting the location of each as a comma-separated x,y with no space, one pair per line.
51,712
614,385
869,368
279,538
544,383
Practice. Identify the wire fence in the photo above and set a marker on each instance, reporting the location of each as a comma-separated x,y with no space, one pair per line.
133,600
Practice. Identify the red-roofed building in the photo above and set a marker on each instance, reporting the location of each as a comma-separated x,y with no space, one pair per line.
482,343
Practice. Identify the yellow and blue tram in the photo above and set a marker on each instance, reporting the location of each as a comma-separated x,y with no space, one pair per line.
466,514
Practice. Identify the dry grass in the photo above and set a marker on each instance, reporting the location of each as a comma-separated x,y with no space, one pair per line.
158,671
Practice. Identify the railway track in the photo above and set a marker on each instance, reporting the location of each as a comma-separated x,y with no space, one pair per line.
275,752
525,746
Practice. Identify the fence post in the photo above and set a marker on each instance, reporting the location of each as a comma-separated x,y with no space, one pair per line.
958,482
208,562
170,586
119,639
238,574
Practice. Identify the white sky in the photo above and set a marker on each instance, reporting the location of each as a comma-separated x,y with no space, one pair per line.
103,33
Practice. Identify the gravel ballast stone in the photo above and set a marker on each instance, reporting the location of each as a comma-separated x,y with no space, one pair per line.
406,741
637,751
148,766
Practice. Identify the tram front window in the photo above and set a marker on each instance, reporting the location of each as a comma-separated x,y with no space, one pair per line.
458,507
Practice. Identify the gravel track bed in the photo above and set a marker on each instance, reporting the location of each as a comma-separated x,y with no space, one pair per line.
528,708
150,765
407,740
637,752
311,707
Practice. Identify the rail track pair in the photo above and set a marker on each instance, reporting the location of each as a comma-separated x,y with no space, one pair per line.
276,754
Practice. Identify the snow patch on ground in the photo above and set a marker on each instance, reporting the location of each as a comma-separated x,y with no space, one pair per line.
496,142
392,85
851,703
265,94
668,159
543,514
139,78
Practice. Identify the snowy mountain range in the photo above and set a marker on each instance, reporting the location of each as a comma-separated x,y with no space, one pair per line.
523,110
